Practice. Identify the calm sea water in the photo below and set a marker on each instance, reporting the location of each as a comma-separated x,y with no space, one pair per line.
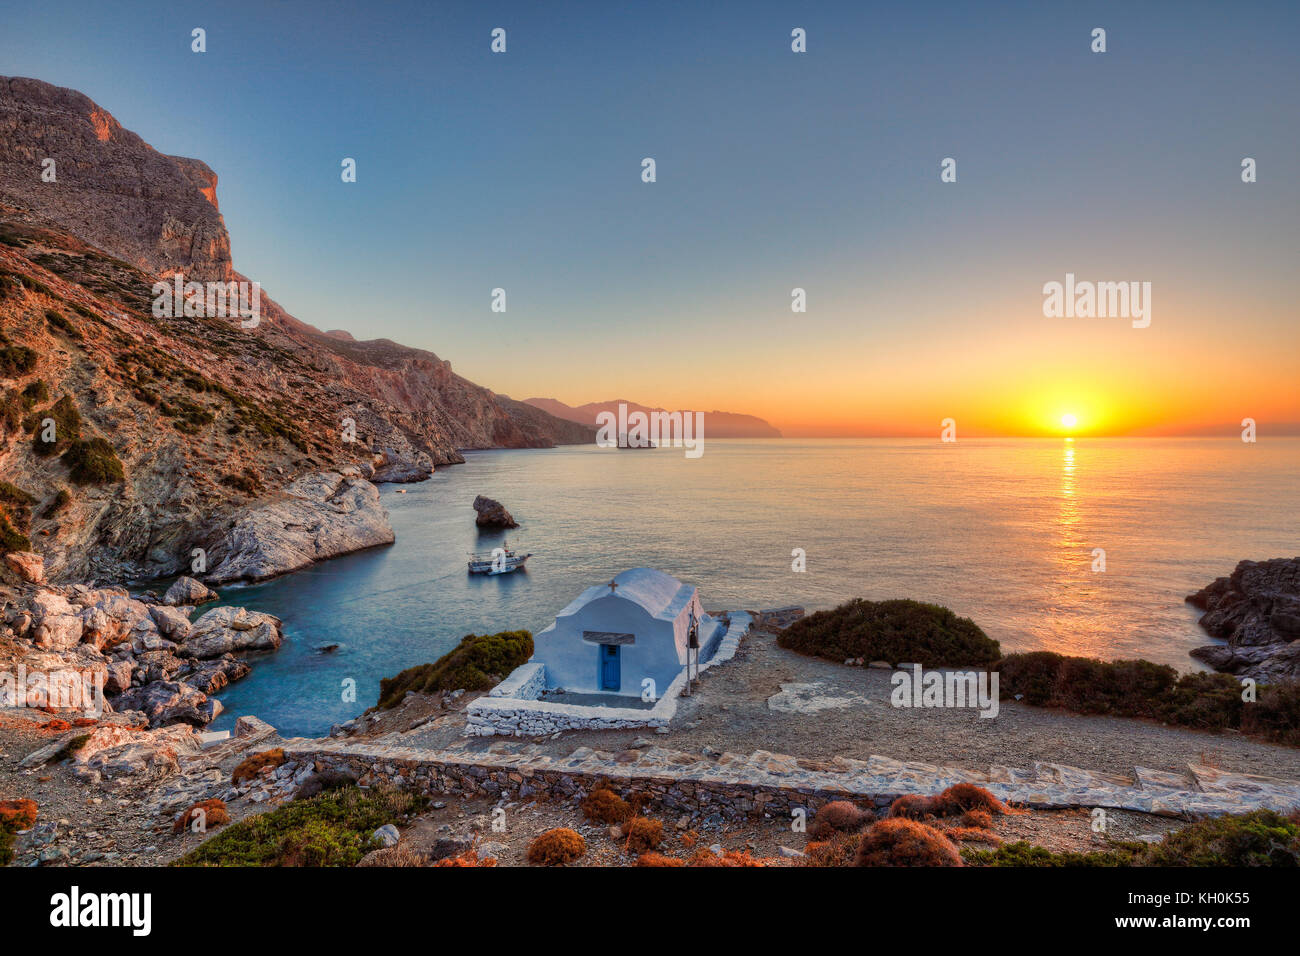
1000,531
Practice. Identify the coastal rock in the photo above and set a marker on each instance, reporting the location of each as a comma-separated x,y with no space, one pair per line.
154,754
168,702
28,566
224,630
185,590
172,623
492,514
56,625
319,516
118,676
157,665
1256,610
214,676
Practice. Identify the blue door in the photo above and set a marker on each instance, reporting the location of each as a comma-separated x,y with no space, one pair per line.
610,678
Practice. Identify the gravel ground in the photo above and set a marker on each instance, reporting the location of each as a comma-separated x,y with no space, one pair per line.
730,712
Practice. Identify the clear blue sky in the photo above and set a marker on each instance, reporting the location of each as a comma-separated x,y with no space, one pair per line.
775,170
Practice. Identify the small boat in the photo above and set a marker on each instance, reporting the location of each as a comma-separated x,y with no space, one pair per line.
498,561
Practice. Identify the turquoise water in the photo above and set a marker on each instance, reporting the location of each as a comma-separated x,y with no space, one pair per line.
1001,531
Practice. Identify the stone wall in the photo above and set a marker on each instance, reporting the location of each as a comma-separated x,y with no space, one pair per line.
732,786
526,682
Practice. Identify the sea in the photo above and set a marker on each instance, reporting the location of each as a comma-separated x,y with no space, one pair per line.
1085,547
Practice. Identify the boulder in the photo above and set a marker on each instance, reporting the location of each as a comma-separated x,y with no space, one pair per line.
118,677
110,616
318,516
168,702
492,514
56,625
214,676
156,665
185,590
172,622
27,566
387,835
153,754
224,630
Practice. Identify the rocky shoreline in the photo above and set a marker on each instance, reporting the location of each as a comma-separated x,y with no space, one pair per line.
103,653
1256,611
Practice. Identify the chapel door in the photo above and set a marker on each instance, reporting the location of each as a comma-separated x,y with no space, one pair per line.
610,676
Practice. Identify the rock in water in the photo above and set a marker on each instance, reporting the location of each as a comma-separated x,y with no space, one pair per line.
492,514
1256,610
319,516
188,591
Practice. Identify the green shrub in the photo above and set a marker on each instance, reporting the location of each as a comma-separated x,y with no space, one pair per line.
11,494
16,360
57,503
1021,853
11,539
36,393
1137,688
893,631
67,426
478,662
332,829
1276,714
1258,838
93,462
61,323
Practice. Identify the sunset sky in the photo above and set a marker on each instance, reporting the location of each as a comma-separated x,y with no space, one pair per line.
775,170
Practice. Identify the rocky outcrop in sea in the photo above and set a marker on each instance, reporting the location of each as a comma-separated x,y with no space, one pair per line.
492,514
1256,610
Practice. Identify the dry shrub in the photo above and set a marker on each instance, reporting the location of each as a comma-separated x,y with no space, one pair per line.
914,807
901,842
603,805
212,812
644,834
961,797
972,835
837,850
838,816
729,858
979,819
689,839
58,725
250,766
467,858
17,814
556,847
658,859
398,855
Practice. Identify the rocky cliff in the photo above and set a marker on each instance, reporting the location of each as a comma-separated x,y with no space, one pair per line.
129,440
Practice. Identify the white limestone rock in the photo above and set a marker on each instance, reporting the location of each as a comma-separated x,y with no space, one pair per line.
319,516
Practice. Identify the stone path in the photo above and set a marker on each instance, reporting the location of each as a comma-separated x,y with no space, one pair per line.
1200,791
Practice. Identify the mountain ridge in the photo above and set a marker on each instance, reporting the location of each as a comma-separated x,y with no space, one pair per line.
718,424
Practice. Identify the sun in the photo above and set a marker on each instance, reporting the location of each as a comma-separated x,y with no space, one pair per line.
1069,421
